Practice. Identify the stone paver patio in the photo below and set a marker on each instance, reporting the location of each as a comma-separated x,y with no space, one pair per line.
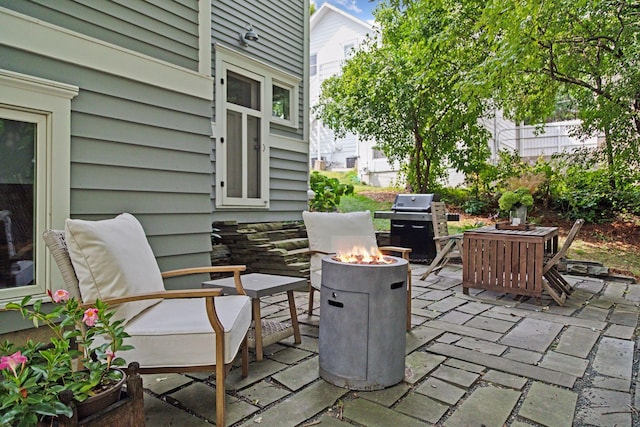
485,359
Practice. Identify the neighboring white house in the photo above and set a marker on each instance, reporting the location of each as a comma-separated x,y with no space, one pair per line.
333,35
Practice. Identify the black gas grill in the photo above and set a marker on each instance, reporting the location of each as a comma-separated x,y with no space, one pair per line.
411,225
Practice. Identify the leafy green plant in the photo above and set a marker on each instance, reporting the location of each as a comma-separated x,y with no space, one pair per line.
327,192
514,199
34,374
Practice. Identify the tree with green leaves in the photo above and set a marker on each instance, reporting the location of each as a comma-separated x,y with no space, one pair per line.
586,51
408,90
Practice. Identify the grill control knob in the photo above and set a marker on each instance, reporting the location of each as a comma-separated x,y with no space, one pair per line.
334,295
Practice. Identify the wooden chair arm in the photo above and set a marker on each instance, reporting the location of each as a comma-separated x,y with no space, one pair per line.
314,252
395,249
235,269
449,237
403,251
172,294
208,269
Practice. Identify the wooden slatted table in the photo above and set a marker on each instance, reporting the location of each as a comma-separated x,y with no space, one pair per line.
506,260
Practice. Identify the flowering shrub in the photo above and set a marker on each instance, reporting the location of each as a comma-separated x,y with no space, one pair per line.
34,374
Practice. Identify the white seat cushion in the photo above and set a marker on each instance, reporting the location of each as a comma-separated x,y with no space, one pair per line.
177,332
333,232
112,258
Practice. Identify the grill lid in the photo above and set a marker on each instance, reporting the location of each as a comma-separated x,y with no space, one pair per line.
413,202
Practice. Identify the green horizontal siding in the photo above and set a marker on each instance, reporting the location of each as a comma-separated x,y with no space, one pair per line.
165,30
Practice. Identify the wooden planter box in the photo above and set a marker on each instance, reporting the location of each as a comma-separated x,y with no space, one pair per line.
128,411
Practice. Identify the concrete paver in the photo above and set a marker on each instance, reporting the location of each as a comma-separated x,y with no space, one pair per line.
482,346
300,406
614,358
606,408
504,379
422,407
486,358
564,363
455,376
549,406
418,364
387,396
370,414
577,341
440,390
532,334
509,366
476,410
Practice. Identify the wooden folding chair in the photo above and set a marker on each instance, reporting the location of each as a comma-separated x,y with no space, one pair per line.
553,282
448,246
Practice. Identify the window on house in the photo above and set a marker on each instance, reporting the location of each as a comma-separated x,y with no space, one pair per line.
313,64
34,179
255,97
281,101
284,103
17,178
348,49
378,154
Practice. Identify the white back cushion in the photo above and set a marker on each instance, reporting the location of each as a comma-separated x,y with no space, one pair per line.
337,232
112,258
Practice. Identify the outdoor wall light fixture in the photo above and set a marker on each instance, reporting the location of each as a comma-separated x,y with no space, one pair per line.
248,36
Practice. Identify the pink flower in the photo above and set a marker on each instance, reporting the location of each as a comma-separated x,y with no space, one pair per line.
60,295
90,316
12,361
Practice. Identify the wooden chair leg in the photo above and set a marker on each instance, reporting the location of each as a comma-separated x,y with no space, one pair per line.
311,291
245,357
438,259
220,393
409,301
557,281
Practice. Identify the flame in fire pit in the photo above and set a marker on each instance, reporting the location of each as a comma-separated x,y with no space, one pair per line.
362,255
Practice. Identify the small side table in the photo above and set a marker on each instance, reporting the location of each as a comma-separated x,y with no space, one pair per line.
258,285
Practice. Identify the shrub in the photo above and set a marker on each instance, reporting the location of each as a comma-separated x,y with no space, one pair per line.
327,192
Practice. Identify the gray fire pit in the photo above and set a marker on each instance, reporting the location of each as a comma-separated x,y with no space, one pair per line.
363,309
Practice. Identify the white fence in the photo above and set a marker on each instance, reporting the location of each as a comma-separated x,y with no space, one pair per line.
555,137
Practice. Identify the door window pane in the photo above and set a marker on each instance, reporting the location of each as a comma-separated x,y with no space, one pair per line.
243,91
234,154
253,157
17,178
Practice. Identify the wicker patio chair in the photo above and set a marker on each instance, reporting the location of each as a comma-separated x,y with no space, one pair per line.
191,330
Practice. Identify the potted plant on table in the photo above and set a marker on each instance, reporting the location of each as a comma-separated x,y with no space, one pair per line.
516,203
34,374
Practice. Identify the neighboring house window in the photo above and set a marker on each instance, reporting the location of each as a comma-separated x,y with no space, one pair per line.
34,178
348,49
378,154
253,97
313,64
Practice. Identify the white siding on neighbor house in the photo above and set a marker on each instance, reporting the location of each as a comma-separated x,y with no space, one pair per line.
331,31
281,30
